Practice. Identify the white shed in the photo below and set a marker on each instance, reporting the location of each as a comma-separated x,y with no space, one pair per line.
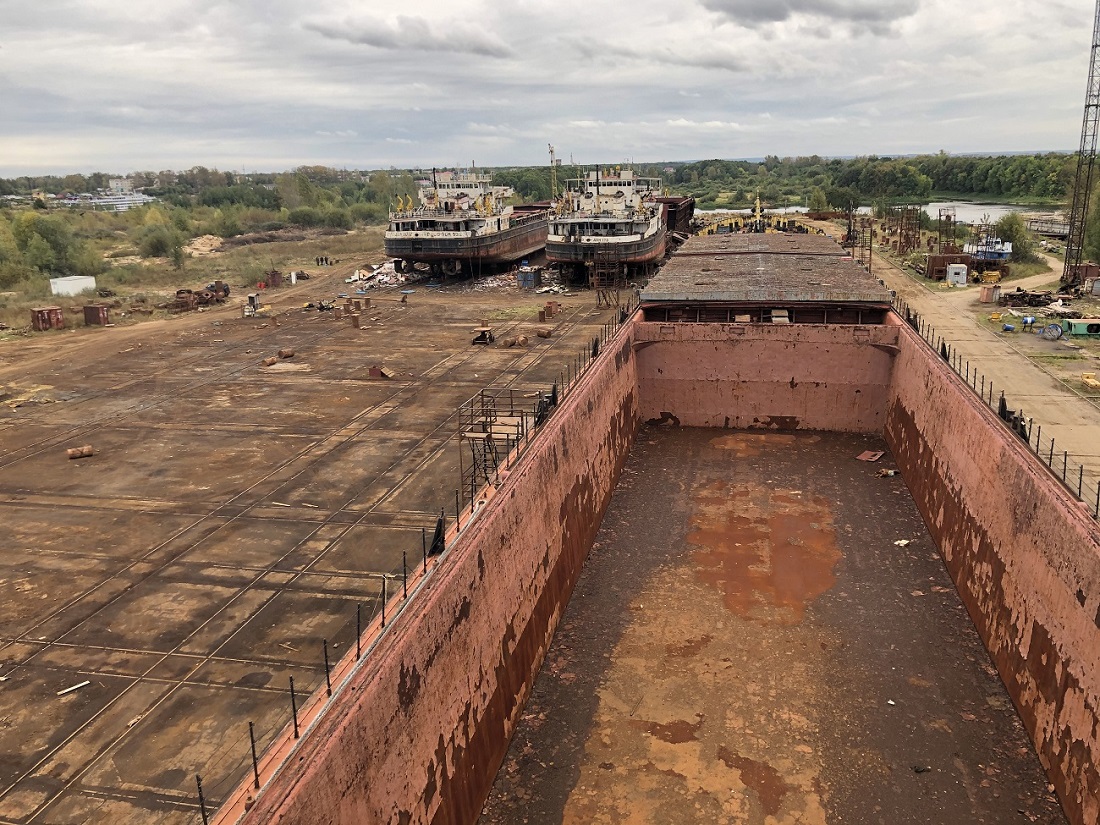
72,285
956,274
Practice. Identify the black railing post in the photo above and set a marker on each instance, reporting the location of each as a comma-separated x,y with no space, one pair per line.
424,545
404,575
1080,480
294,707
202,801
328,676
383,602
358,630
255,761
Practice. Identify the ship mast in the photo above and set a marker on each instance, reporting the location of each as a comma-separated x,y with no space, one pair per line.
553,174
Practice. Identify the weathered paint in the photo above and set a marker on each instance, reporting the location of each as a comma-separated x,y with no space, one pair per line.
419,731
422,727
762,376
1024,555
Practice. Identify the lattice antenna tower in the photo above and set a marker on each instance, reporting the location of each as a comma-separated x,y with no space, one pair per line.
1086,162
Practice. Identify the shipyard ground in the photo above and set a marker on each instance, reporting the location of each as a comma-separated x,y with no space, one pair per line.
231,519
1038,376
749,643
234,515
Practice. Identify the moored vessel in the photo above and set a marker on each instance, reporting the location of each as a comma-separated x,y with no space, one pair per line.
608,226
464,225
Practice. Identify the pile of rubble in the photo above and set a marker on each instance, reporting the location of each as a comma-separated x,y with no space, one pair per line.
377,275
1057,304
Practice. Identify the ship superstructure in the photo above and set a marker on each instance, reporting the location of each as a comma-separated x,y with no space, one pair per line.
463,225
608,224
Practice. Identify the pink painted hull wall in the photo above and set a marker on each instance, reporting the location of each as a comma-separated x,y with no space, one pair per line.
765,376
418,732
420,729
1024,554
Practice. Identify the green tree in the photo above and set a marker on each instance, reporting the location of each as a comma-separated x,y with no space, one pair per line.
156,241
1012,229
40,254
305,216
177,255
817,201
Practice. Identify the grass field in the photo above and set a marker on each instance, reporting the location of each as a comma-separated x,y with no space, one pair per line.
156,280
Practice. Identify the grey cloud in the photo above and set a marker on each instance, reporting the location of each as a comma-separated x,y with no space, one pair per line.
273,84
412,33
704,59
871,15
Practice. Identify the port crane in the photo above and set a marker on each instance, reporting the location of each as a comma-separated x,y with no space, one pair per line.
1086,163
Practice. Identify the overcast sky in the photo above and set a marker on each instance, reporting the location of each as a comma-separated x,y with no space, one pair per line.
119,85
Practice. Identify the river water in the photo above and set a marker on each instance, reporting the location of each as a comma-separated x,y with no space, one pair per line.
968,212
965,211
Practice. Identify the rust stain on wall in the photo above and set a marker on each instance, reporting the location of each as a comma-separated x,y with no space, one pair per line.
758,546
1052,703
464,787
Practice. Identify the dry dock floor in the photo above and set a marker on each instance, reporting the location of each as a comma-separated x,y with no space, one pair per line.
231,519
765,633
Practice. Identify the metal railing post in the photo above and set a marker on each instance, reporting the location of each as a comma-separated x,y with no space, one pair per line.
255,761
294,707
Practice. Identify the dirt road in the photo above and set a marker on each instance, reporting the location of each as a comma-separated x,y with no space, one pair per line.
1070,417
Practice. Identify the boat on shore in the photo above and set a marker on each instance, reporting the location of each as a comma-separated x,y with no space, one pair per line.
464,225
608,225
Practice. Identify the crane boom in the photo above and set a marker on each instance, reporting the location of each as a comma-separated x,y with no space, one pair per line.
1086,163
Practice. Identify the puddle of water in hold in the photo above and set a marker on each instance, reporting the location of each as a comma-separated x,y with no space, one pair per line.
750,445
675,733
763,547
760,777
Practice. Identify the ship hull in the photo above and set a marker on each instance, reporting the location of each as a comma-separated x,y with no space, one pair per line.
646,250
511,244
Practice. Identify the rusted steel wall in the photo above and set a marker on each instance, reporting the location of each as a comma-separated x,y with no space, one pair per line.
750,376
1024,555
424,724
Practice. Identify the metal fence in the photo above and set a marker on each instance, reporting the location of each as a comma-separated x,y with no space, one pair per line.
1068,470
504,421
